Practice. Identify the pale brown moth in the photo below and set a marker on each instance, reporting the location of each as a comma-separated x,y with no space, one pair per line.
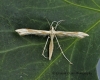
51,34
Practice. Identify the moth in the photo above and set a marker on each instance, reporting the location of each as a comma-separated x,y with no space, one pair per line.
52,33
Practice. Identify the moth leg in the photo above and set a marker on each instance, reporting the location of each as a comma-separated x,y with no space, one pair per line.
62,51
45,47
58,23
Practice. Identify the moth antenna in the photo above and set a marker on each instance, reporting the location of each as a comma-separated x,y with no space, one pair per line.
52,23
58,23
48,21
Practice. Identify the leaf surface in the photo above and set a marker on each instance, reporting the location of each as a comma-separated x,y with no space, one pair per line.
20,56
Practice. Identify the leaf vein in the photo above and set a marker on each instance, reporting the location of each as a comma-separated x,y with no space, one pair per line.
82,6
95,3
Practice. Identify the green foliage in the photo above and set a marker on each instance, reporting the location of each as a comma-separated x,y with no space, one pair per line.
20,57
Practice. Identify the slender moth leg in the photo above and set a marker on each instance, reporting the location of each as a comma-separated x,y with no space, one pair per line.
62,51
45,47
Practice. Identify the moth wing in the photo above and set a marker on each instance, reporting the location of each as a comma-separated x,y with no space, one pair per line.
72,34
23,32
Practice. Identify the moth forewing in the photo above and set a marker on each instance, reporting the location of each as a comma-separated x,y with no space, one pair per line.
72,34
23,32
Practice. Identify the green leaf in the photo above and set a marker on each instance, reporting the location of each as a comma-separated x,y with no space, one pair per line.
20,56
